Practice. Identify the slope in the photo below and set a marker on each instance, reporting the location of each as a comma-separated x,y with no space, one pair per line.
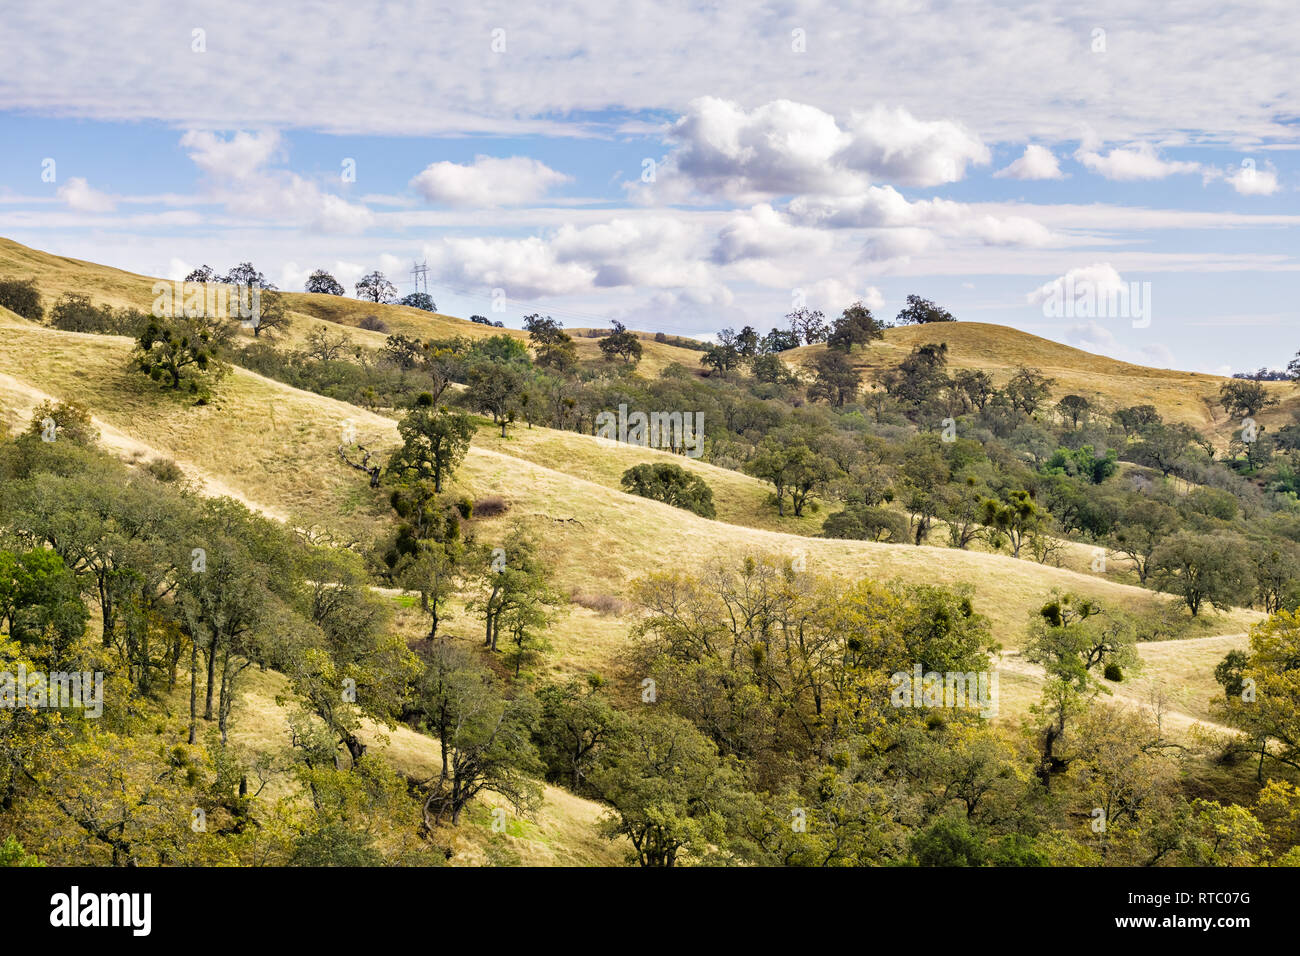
276,446
1187,397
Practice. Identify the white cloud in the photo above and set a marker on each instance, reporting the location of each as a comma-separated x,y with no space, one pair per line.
902,244
1038,162
785,148
884,206
238,178
1137,162
79,195
488,181
1010,231
833,296
776,149
1023,74
1249,180
893,145
240,157
763,233
647,253
1102,278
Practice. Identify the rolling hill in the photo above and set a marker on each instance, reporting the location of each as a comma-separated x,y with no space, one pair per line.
1187,397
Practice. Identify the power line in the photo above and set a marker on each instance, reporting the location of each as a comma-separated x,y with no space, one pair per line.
420,277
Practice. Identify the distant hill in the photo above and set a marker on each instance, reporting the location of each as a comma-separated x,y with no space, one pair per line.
1188,397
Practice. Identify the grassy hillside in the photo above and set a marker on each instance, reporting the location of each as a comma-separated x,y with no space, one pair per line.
275,447
59,275
1188,397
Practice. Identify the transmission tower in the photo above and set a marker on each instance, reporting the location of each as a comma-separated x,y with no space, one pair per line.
420,277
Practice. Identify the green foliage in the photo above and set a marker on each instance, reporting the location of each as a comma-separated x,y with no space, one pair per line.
921,311
620,343
419,300
72,422
485,737
1084,462
867,523
1204,569
21,297
671,484
1244,398
496,388
434,443
793,469
13,854
176,350
553,346
856,326
375,287
671,793
323,283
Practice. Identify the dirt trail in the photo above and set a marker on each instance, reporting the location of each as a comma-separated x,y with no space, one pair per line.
1175,722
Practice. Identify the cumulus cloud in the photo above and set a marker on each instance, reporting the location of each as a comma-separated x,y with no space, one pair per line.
239,178
488,181
785,148
1102,278
241,156
1137,162
79,195
650,253
776,149
1248,180
902,244
884,206
1038,162
833,295
893,145
763,233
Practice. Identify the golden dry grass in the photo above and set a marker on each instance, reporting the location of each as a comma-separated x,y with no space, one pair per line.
59,275
276,446
562,831
1187,397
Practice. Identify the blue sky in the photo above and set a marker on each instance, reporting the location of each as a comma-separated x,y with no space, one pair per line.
979,155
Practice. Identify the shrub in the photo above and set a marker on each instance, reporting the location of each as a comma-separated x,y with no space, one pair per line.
76,313
373,323
419,300
1114,672
164,469
72,422
21,297
865,522
671,484
599,602
491,506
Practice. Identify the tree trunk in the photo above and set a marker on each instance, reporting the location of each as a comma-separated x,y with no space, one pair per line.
194,690
212,671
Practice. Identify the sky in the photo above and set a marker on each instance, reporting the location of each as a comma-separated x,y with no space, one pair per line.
1117,179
